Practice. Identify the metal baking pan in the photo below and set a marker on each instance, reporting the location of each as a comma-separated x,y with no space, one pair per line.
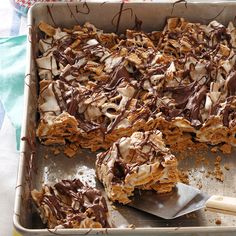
38,165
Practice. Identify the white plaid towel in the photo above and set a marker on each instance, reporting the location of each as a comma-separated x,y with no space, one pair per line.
29,3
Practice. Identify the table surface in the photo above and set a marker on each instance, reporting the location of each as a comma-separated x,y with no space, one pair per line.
14,24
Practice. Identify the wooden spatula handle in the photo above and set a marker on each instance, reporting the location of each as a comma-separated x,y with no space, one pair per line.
221,204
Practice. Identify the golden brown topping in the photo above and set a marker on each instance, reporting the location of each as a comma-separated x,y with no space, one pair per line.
71,204
47,29
182,78
141,161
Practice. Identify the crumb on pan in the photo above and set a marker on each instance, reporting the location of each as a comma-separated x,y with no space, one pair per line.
218,173
214,149
227,167
218,221
55,150
70,150
226,148
184,177
132,226
191,215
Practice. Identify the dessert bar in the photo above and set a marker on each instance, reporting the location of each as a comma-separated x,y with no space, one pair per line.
140,161
97,87
71,204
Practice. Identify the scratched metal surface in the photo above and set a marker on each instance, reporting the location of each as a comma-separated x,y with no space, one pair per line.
38,165
54,168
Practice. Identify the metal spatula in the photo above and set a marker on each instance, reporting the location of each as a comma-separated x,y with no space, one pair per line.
182,200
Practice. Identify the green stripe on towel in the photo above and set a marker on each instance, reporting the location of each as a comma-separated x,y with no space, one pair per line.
12,71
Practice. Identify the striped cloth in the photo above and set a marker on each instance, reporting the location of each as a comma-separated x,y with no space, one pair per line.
29,3
14,16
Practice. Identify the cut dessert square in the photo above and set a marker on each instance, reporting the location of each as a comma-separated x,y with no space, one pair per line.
140,161
71,204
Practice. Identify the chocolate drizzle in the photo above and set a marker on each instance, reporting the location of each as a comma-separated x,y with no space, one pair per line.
122,166
194,104
71,202
229,111
135,162
138,24
231,84
178,2
119,74
50,14
133,81
181,93
119,16
84,5
72,14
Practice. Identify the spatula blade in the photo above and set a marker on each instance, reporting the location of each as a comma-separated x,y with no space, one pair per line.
182,200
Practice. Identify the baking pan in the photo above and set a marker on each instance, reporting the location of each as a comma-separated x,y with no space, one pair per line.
37,163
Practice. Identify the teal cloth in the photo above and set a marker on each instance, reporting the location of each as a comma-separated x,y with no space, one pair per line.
12,72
